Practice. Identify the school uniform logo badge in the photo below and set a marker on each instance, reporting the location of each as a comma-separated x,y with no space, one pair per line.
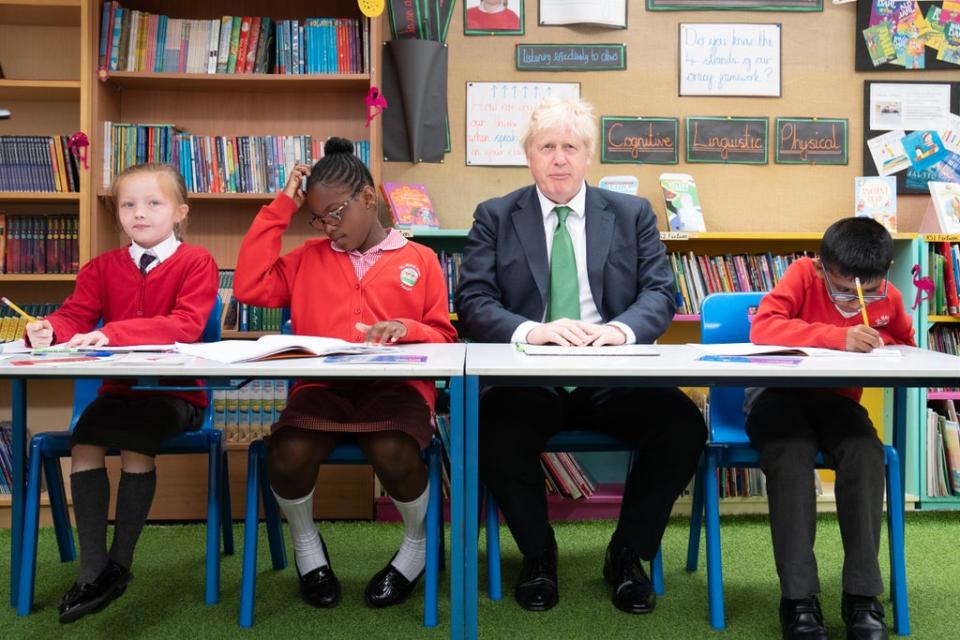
409,275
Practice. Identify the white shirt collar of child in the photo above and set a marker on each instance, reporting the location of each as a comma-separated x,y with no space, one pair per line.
162,251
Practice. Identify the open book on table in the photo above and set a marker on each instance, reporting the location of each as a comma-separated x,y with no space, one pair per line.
749,349
609,350
276,347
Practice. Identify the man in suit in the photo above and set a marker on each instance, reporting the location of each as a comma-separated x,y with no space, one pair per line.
559,262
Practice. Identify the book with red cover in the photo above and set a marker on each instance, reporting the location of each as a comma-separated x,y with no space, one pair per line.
253,41
949,282
410,205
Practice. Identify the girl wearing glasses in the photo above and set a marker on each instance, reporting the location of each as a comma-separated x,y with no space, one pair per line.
359,283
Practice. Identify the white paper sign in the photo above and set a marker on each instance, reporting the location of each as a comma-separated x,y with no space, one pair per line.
497,113
914,107
730,59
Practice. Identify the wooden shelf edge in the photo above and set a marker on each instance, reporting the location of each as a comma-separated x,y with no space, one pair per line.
40,13
57,90
194,196
39,196
943,319
237,82
38,277
232,334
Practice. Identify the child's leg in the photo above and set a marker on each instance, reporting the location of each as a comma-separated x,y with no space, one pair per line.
778,428
293,460
138,483
90,488
395,457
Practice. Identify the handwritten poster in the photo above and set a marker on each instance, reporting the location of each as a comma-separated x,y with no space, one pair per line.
571,57
639,140
730,59
496,114
727,140
811,141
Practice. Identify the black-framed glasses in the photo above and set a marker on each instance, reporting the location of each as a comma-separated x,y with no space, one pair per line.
334,217
850,297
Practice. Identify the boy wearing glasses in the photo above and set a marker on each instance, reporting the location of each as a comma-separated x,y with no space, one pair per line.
816,304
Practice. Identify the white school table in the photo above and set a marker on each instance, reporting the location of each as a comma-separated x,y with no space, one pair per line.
444,362
675,365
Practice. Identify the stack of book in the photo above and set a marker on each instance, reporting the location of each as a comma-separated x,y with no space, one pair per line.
12,324
943,450
697,276
132,40
945,273
566,476
213,164
243,317
37,163
39,244
6,458
246,414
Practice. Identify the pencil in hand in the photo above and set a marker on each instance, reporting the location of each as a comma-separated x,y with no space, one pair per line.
23,314
863,305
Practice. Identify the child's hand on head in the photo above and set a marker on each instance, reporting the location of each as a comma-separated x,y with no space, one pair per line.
863,339
388,331
92,339
40,333
292,188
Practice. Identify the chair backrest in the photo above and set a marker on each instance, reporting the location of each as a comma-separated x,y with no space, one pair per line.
725,317
85,389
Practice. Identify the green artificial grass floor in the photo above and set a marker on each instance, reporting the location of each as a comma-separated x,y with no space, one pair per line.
166,598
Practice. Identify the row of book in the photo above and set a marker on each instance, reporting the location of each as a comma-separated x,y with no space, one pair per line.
943,450
238,316
566,476
132,40
214,164
38,163
945,273
697,276
39,244
450,263
12,324
246,414
6,458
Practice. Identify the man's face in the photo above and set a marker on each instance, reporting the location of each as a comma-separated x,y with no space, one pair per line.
558,161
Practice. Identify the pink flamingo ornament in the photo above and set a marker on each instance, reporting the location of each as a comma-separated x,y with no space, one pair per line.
375,102
924,286
78,145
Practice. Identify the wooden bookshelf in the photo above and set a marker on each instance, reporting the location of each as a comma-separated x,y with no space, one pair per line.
943,319
37,197
245,82
40,90
38,277
45,13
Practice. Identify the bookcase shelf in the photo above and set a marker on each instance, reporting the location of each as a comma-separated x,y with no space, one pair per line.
233,334
943,395
39,196
38,277
225,197
40,12
226,82
753,236
943,319
686,317
48,90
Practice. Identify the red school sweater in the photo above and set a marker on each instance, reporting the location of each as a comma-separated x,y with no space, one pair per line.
325,298
170,304
799,313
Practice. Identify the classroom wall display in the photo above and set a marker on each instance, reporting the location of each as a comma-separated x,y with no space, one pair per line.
897,113
906,36
811,141
421,20
736,5
726,140
492,17
571,57
638,140
496,113
729,59
605,13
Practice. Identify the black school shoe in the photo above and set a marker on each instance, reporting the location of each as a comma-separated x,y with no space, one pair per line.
632,589
389,587
537,587
863,616
320,587
802,619
81,599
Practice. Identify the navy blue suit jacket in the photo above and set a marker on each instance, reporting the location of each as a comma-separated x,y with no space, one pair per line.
505,277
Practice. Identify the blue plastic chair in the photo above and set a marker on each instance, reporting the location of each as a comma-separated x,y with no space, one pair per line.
563,441
725,318
47,448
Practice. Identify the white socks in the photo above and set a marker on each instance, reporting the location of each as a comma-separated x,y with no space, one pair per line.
412,556
306,541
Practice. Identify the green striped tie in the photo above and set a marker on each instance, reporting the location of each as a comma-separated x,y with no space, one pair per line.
564,287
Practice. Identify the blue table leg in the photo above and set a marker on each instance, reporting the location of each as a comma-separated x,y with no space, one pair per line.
457,429
471,514
19,453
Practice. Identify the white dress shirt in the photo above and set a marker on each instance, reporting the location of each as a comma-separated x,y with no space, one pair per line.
577,228
161,251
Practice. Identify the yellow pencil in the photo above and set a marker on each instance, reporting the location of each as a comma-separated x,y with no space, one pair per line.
26,316
863,305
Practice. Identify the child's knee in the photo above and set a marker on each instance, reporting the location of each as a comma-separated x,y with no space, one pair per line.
393,452
288,454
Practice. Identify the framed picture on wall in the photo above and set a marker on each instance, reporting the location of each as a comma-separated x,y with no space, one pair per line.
735,5
906,37
493,17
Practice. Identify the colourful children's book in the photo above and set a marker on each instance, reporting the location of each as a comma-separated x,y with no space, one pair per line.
682,202
880,44
946,201
876,197
410,205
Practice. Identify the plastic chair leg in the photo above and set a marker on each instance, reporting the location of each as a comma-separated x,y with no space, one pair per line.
58,509
248,572
656,572
711,502
31,524
494,579
226,506
431,592
895,533
271,510
214,459
696,520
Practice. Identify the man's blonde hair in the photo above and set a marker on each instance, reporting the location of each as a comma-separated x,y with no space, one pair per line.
562,113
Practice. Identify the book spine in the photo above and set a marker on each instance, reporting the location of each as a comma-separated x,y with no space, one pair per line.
234,44
252,44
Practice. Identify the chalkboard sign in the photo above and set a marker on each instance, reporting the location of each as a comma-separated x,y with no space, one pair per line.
639,140
496,113
571,57
727,140
730,59
811,141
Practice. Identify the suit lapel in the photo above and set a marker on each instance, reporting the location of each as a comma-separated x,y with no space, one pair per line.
528,223
599,229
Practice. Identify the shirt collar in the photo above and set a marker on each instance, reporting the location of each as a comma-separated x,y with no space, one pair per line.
162,251
577,204
394,240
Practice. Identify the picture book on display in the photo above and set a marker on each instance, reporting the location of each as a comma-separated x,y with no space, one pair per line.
946,202
277,347
876,197
682,202
410,205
